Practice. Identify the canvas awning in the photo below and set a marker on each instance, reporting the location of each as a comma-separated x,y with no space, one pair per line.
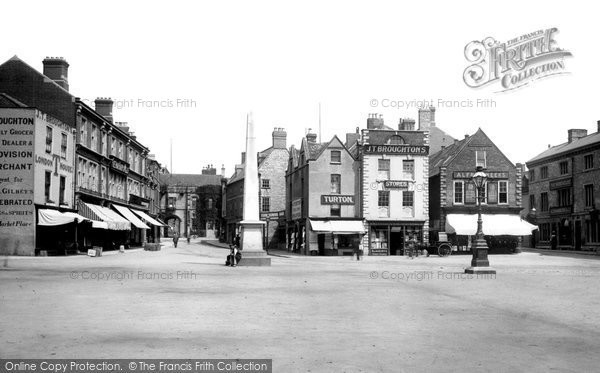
493,225
113,220
338,226
148,218
131,217
47,217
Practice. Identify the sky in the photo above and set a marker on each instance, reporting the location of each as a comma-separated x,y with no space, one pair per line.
188,72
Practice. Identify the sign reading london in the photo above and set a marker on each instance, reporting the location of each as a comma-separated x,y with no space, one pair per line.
514,63
397,149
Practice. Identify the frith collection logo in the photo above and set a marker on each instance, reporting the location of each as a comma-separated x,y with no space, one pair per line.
516,62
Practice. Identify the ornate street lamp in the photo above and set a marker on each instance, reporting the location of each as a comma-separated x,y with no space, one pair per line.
479,262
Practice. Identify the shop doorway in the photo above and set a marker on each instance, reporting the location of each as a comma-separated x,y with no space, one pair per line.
321,243
396,242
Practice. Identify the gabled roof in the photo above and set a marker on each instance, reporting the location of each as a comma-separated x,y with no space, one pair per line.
16,59
7,101
447,155
189,179
567,147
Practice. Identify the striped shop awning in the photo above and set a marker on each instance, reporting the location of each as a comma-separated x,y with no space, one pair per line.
130,216
113,220
148,218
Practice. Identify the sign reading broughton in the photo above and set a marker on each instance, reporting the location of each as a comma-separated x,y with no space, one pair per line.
337,199
516,62
395,184
17,210
397,149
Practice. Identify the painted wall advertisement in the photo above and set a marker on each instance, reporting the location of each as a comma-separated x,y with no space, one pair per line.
17,211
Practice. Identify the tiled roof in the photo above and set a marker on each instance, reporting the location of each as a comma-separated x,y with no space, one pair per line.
567,147
446,155
7,101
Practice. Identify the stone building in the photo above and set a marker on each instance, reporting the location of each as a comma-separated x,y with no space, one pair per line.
323,214
184,196
453,199
393,174
564,189
272,163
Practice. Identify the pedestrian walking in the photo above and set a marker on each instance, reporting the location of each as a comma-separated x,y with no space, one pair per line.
175,239
553,241
357,251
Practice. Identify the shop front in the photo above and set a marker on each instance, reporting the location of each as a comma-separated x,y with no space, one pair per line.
335,237
389,238
108,229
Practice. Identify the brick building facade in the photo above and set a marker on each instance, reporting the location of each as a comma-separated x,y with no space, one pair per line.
323,214
453,199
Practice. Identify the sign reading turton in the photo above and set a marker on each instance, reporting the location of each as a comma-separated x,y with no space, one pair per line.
337,199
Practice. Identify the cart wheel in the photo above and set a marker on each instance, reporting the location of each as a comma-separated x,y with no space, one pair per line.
444,250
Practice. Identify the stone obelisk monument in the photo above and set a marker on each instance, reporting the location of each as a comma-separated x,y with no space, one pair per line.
252,227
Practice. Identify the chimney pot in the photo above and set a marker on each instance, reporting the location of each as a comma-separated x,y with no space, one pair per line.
576,134
104,107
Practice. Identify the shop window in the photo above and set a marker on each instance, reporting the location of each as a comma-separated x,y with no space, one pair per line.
336,156
503,192
48,140
336,184
563,167
592,231
459,192
588,161
544,201
544,172
383,168
408,169
63,145
335,210
589,195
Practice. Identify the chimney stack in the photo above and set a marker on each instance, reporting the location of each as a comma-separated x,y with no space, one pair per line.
406,124
243,157
104,107
375,122
57,69
279,138
598,123
311,138
576,134
426,118
223,170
